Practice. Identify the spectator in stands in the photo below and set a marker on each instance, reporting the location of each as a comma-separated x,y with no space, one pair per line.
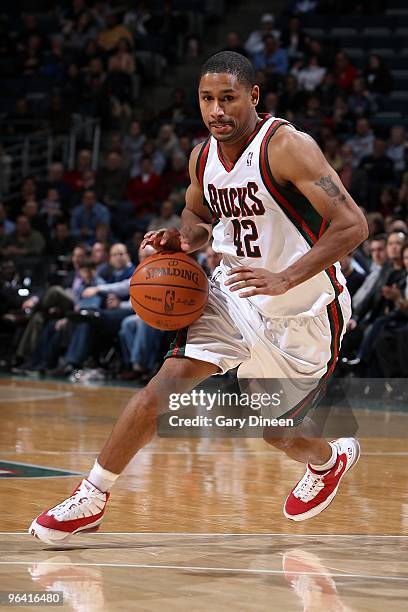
62,243
37,221
312,119
121,67
72,87
112,180
24,243
167,141
360,102
8,225
255,42
115,308
13,294
133,141
83,30
167,218
56,180
100,258
177,177
87,216
270,103
179,109
378,253
310,76
331,151
293,39
55,300
396,149
50,211
377,76
74,178
233,43
144,191
375,302
345,72
114,32
272,59
362,143
378,170
291,98
354,278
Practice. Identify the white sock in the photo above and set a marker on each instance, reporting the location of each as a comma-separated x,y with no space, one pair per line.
102,479
329,464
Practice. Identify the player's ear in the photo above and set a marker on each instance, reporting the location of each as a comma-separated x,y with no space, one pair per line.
255,95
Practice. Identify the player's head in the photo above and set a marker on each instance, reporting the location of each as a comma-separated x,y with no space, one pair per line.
228,95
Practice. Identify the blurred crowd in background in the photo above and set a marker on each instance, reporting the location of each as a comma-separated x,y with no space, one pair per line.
70,240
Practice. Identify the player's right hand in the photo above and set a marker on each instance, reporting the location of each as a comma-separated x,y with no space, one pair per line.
163,240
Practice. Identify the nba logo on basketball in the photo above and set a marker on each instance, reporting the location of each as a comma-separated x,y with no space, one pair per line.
169,300
249,158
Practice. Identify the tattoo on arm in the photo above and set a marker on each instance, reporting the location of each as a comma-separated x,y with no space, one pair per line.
326,183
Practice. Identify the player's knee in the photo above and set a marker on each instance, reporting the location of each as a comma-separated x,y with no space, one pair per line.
275,438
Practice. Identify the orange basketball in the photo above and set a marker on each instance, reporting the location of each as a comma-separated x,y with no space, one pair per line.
169,290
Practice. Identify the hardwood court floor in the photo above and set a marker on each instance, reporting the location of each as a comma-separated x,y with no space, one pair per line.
197,524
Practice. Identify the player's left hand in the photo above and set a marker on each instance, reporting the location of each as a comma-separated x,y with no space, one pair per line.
257,281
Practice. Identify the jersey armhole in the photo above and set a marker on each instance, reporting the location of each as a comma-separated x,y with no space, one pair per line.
202,160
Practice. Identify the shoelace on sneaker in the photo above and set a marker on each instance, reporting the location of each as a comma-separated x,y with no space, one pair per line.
309,486
83,503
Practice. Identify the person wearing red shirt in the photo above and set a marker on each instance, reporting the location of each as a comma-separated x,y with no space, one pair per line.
345,72
144,190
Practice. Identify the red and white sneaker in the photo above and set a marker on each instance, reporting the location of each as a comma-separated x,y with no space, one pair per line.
83,511
315,491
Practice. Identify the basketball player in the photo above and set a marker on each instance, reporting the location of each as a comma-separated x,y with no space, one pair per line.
278,304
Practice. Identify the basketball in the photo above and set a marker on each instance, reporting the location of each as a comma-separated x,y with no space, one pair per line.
169,290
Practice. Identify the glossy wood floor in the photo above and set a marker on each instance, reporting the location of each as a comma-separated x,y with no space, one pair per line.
197,524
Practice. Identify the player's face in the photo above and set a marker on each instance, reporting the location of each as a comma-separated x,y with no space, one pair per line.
227,106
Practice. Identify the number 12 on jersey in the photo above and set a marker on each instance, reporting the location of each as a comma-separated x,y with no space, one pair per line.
244,240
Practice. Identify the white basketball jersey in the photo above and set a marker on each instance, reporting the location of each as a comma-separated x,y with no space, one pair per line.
264,225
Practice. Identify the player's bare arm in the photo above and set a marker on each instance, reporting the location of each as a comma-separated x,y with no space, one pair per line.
196,222
298,162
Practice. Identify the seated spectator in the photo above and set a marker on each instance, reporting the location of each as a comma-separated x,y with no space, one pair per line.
378,254
166,219
114,32
115,307
112,180
140,343
363,142
378,170
233,43
61,243
179,109
310,76
150,150
270,103
353,276
121,67
74,178
54,299
133,141
100,258
95,98
345,72
87,216
167,141
24,244
293,39
291,98
312,118
377,76
56,180
396,149
51,211
37,221
255,42
144,191
49,346
273,59
177,177
360,102
8,226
